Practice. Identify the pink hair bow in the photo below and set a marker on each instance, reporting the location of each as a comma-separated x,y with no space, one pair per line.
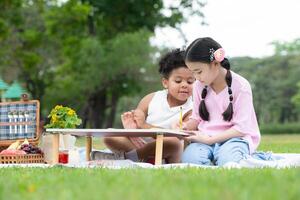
218,55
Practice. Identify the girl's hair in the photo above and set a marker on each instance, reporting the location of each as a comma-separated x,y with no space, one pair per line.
201,50
170,61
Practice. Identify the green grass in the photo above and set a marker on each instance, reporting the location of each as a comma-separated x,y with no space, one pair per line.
68,183
285,143
61,183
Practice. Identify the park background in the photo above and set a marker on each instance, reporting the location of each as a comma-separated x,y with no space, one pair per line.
100,58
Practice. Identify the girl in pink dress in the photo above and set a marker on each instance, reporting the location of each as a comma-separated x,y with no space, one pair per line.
223,120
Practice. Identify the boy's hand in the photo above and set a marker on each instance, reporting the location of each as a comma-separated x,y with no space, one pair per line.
139,118
176,126
128,120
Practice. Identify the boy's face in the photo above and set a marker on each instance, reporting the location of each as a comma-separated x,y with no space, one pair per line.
205,73
180,83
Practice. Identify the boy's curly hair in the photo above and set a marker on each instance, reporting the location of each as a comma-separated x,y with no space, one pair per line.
170,61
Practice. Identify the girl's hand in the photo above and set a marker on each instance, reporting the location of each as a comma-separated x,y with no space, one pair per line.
199,137
139,118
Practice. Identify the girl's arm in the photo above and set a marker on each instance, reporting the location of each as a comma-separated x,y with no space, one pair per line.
226,135
221,137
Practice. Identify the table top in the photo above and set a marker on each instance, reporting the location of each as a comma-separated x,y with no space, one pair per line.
113,132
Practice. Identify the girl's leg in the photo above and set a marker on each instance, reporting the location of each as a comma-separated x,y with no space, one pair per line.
117,144
198,153
232,150
172,150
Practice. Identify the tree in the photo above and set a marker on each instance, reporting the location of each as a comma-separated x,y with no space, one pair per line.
287,48
26,52
106,26
72,47
296,98
273,80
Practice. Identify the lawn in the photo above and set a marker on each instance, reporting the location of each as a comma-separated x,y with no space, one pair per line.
66,183
285,143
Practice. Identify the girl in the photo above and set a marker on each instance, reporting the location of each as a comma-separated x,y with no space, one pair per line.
223,112
159,109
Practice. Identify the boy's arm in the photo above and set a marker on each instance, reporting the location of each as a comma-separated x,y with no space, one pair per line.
140,119
191,124
187,115
141,112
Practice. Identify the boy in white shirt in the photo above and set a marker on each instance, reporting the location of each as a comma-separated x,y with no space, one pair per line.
159,109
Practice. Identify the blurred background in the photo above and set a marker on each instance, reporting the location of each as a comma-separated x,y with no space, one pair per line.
100,56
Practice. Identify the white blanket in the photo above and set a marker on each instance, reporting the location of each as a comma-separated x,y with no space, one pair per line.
290,160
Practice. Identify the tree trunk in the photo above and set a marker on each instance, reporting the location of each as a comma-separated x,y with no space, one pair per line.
113,109
282,115
97,106
85,115
91,25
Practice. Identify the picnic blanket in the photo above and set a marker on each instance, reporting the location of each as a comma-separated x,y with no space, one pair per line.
277,160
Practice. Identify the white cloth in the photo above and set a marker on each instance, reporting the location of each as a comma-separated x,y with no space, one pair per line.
289,160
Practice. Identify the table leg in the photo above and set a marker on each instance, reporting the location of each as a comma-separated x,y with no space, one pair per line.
55,148
159,149
88,146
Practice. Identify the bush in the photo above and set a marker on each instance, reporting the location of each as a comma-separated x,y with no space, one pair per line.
280,128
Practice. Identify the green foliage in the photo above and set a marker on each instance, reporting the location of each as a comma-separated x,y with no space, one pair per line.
84,53
113,66
280,128
63,117
296,98
287,48
68,20
118,16
273,80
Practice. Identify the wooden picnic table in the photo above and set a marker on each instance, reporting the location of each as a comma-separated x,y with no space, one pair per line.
159,134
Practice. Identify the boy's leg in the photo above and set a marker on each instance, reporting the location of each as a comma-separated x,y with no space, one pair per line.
122,149
198,153
172,150
232,150
117,144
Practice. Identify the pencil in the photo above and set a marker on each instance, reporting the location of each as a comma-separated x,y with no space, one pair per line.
180,119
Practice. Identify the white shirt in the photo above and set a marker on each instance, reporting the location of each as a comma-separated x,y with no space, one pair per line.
161,114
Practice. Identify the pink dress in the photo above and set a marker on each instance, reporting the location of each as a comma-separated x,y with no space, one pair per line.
244,118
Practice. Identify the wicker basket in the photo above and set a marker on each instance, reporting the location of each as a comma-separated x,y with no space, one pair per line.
14,129
10,130
17,159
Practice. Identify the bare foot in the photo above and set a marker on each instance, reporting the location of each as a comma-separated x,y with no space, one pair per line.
128,121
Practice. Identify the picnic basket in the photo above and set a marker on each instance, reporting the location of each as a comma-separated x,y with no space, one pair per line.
20,120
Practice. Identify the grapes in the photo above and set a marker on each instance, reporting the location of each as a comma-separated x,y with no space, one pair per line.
30,149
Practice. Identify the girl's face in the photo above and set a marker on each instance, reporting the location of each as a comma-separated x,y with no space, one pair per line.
205,73
179,84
